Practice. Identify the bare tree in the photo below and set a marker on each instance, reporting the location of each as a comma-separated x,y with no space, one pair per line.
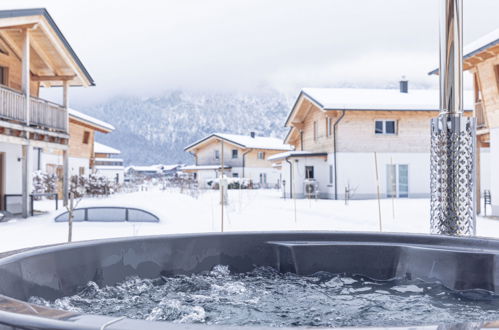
71,208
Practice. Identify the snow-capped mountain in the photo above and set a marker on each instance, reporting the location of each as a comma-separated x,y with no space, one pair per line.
156,130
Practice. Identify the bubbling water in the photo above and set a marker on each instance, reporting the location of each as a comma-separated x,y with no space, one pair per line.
267,297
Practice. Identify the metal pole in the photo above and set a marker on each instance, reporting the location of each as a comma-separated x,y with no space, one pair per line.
378,193
452,136
221,186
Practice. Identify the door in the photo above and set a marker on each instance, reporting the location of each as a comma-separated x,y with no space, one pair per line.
397,180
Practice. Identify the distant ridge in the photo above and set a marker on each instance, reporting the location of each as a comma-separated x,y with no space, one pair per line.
155,130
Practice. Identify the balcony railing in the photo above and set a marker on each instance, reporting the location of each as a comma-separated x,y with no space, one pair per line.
43,114
481,121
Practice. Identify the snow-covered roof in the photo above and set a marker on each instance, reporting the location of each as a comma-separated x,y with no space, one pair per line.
90,120
482,43
246,141
152,168
299,153
203,167
477,46
158,168
100,148
379,99
171,167
101,159
109,167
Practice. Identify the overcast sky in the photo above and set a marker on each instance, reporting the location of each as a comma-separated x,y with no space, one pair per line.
149,46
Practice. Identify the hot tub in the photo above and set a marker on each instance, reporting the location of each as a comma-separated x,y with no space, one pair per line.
57,271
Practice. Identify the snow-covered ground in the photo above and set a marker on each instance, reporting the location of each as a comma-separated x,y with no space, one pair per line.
248,210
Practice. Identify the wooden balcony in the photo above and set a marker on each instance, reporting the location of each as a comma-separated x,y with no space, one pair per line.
43,114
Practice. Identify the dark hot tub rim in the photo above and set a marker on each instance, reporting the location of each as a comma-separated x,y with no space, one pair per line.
110,260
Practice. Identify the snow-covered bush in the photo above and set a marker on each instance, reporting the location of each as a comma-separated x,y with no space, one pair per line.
99,185
78,185
44,183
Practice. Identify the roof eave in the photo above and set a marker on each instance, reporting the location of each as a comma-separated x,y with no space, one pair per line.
89,81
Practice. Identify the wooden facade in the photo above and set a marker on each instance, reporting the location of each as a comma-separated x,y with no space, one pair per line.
312,129
205,154
34,54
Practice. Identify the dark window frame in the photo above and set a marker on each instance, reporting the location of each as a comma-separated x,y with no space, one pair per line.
309,170
86,137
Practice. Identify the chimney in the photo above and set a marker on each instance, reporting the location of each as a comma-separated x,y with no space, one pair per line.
252,134
404,85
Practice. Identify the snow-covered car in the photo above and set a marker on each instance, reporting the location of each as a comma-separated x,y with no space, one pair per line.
108,214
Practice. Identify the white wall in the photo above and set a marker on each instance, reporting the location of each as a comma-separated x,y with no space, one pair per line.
12,168
111,173
75,163
485,168
321,174
357,170
253,173
494,175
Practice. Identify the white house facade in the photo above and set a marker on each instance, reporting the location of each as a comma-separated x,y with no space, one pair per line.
106,163
244,156
352,143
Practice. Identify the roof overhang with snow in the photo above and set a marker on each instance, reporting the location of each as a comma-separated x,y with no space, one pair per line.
53,61
90,121
100,148
297,154
241,141
193,168
479,50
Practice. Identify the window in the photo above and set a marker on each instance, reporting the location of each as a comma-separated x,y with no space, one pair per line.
315,130
263,178
397,180
217,154
329,127
309,172
81,171
331,174
86,137
261,155
234,153
385,127
496,69
3,75
235,175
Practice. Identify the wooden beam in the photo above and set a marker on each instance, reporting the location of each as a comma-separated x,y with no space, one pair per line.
67,58
20,26
43,55
12,44
52,78
298,125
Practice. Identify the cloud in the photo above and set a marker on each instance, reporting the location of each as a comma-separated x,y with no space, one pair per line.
148,46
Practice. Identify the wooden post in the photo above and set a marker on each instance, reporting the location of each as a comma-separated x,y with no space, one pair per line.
377,188
65,179
25,184
26,171
26,74
70,217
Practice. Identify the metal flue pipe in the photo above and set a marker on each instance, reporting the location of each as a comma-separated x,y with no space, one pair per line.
452,136
451,57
